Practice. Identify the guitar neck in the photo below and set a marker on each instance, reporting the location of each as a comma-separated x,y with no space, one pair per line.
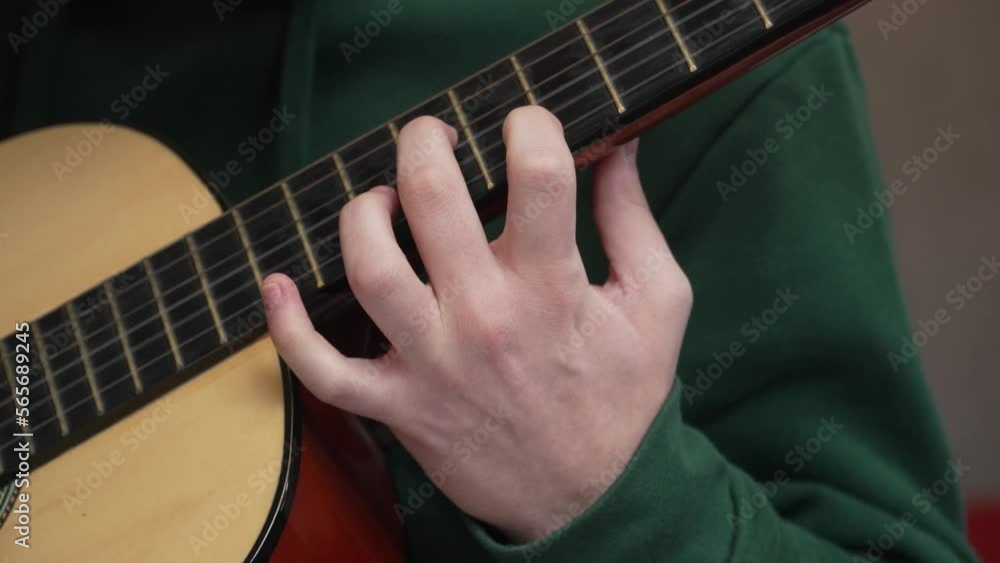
607,75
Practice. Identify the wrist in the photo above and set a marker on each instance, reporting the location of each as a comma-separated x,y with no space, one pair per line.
552,514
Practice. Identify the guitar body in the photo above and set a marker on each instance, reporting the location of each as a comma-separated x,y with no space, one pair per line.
229,460
237,464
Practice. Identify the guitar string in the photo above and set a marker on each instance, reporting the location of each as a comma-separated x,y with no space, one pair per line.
564,70
248,220
563,87
544,56
114,341
460,145
294,239
258,301
227,296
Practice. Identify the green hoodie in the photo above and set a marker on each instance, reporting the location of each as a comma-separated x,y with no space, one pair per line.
801,429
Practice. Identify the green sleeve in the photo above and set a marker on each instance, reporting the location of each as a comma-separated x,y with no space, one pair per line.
790,436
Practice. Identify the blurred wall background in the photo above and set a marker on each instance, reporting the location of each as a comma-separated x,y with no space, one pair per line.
939,68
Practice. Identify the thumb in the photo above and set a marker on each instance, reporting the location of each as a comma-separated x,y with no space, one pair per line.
353,384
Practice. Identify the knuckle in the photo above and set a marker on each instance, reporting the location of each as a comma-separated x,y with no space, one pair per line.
357,387
289,339
676,293
684,292
333,391
373,279
543,169
425,184
492,331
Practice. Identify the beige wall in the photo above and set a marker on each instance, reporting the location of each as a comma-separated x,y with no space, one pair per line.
938,70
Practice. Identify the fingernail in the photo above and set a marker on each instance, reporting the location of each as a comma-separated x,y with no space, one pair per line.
272,293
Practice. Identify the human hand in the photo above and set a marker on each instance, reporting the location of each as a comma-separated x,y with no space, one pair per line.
508,370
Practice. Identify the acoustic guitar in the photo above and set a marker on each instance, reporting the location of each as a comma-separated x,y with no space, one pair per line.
138,387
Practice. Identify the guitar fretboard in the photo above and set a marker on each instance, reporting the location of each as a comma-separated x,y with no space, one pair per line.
151,326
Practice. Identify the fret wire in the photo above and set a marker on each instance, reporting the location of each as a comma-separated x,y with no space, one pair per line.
246,243
768,24
470,140
339,164
88,369
592,90
192,339
677,35
600,65
190,296
523,80
7,366
335,258
544,56
209,298
237,216
483,116
560,47
123,336
167,327
306,244
569,83
50,381
394,129
628,69
565,86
